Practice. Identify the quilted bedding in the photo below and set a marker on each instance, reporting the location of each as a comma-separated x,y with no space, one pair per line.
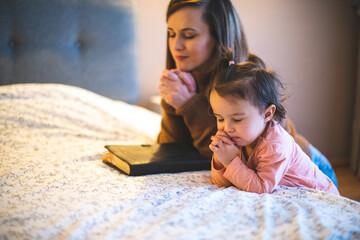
53,184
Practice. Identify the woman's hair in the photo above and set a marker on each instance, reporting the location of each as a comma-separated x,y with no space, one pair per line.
251,82
224,24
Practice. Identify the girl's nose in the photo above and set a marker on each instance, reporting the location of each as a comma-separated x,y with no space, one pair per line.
228,127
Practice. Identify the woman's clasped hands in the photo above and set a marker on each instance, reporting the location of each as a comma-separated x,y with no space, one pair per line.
224,149
176,87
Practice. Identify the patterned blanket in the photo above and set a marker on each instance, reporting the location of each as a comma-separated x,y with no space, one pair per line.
53,184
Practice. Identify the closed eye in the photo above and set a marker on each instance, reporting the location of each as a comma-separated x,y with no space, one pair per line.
189,35
171,34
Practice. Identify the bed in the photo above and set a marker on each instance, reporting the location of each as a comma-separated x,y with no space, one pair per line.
65,93
55,186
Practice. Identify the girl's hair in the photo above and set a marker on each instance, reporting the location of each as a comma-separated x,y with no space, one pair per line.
224,24
251,82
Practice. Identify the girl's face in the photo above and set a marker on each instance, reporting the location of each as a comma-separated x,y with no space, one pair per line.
190,42
243,122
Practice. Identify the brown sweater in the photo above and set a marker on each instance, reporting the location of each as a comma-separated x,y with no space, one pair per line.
190,124
194,124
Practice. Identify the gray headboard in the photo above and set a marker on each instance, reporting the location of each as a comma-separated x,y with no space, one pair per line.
86,43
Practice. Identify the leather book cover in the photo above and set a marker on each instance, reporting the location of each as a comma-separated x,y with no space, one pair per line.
136,160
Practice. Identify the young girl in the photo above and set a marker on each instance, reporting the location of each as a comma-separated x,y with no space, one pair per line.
198,32
245,101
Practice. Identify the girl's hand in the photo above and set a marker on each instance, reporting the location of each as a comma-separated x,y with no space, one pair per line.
224,149
176,87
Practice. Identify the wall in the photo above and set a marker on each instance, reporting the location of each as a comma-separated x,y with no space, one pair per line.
311,44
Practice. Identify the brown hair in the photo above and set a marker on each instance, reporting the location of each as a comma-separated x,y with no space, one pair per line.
251,82
224,24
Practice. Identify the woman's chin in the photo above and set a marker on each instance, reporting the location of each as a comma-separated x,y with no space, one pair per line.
184,68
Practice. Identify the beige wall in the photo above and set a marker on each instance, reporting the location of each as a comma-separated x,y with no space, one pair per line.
312,44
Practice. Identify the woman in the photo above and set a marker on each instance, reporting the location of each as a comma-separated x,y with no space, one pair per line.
199,31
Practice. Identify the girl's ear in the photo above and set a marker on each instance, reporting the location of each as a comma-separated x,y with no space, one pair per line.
269,112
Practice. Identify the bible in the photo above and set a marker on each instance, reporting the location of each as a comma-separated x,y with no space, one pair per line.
136,160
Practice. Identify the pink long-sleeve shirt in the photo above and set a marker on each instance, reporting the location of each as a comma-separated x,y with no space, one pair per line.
276,160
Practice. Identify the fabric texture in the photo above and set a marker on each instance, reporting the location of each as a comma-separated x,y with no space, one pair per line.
276,160
191,124
53,184
85,43
323,163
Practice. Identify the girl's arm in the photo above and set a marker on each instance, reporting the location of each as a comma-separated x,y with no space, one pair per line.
224,152
271,168
217,171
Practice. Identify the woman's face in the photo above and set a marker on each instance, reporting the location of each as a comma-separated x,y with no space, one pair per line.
190,42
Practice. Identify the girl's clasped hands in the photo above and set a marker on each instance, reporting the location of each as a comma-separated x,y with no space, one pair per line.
224,149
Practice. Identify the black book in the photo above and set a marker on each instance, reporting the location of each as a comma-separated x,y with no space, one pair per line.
136,160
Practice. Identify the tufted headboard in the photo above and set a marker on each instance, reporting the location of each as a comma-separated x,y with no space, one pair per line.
85,43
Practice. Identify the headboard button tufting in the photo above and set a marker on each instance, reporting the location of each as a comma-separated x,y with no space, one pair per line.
11,44
79,44
49,38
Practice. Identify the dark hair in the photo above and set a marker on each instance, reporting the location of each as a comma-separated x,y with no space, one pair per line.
224,24
251,82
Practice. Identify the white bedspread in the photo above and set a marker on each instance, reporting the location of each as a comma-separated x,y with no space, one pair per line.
53,184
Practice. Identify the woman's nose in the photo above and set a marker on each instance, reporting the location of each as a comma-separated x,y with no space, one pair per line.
178,44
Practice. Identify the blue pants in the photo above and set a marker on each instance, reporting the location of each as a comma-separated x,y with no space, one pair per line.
323,164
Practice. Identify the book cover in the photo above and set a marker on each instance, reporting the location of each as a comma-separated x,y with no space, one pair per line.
136,160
